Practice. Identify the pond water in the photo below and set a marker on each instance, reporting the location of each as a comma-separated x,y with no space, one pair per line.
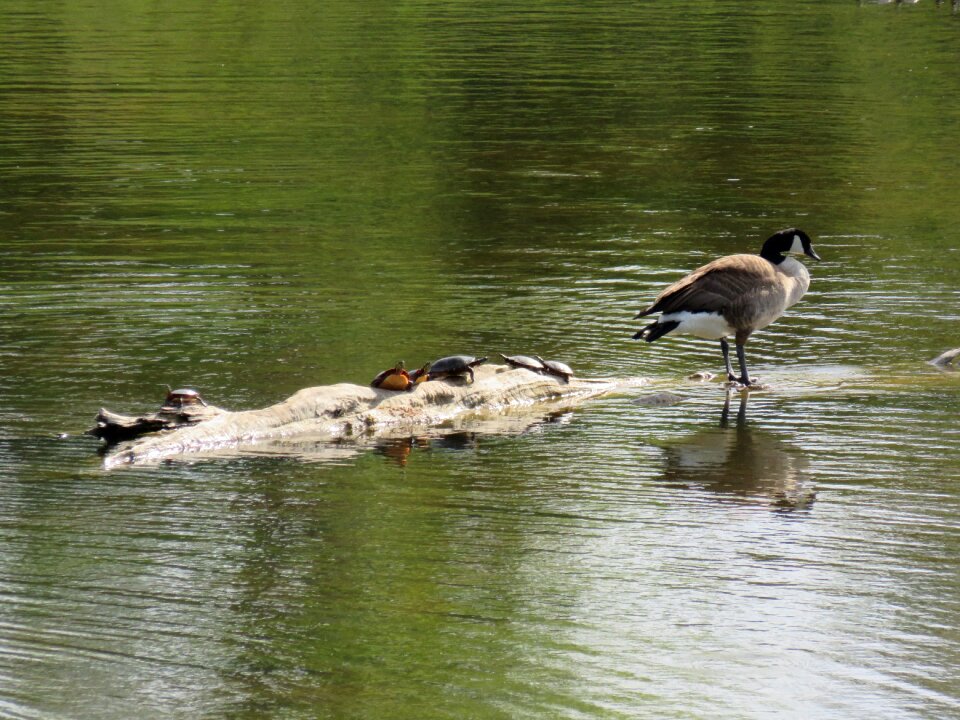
251,198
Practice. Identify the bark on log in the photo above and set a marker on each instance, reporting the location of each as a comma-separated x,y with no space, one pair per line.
336,411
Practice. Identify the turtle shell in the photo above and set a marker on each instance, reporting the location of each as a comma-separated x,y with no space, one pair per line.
395,378
523,361
454,365
555,367
396,381
183,396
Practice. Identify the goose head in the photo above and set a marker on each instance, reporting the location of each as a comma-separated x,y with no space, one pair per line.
791,241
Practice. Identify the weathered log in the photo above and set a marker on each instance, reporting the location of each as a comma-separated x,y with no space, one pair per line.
946,358
344,410
114,427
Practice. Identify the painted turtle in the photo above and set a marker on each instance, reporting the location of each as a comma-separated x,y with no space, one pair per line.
523,361
454,366
181,398
421,374
395,378
555,367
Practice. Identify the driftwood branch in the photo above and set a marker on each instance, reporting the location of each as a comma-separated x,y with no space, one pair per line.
338,411
114,427
947,358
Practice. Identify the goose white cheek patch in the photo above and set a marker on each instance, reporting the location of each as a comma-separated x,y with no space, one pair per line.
797,246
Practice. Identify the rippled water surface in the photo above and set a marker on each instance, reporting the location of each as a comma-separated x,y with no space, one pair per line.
252,198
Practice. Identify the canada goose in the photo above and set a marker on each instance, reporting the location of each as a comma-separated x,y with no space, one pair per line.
734,295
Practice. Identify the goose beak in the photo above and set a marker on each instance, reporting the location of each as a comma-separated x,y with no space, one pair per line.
812,253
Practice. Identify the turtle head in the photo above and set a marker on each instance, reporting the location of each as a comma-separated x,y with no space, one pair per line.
420,375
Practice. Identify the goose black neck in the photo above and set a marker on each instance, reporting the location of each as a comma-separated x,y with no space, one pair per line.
771,252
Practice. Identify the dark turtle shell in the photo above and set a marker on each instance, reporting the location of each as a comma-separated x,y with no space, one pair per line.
555,367
454,366
182,397
523,361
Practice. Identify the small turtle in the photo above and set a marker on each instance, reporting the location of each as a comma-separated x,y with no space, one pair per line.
421,374
557,368
523,361
395,378
180,398
454,366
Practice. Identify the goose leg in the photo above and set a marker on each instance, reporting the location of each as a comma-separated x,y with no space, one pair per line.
744,379
725,346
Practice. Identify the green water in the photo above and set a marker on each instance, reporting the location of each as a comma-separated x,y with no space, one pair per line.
251,198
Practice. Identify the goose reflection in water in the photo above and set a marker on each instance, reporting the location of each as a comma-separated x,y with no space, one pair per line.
737,460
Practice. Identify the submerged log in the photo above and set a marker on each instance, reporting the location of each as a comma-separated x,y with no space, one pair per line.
947,358
342,410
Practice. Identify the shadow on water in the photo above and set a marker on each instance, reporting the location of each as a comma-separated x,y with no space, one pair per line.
738,460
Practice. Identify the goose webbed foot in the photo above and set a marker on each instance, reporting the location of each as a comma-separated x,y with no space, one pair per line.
744,381
737,384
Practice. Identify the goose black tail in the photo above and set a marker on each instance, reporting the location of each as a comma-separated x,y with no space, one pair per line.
656,330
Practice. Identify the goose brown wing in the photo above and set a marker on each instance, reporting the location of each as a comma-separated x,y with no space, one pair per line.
715,286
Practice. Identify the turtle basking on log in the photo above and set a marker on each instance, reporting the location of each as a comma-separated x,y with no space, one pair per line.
556,368
395,378
181,407
181,398
421,374
454,366
523,361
